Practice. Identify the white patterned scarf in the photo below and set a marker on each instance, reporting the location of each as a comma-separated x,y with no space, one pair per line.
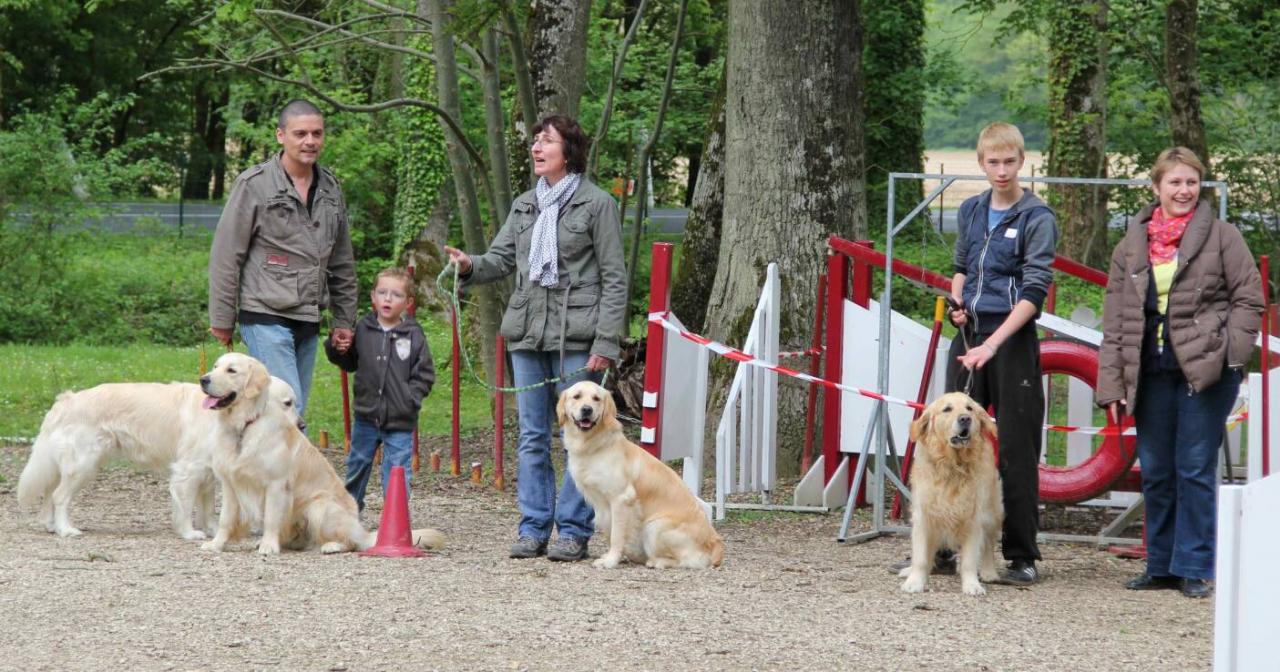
544,246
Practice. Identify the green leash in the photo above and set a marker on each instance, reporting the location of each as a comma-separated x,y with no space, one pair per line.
457,310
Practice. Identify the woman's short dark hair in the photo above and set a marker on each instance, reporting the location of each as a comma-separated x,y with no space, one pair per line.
576,142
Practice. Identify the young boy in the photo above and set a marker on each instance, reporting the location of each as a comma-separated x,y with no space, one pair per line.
1005,245
394,373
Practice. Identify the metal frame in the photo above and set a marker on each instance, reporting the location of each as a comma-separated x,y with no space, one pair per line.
880,431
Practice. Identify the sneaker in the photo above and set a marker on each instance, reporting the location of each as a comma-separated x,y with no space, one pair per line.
1019,573
568,549
528,547
1195,588
944,563
1148,582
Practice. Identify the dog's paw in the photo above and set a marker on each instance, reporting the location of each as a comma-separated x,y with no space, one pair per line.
194,535
904,572
268,548
915,583
972,587
69,532
212,545
333,547
606,562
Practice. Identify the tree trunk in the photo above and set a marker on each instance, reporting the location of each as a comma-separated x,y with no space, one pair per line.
558,54
1182,77
207,148
893,58
701,245
1077,125
495,121
463,178
793,169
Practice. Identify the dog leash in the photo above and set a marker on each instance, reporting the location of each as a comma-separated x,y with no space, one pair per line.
457,310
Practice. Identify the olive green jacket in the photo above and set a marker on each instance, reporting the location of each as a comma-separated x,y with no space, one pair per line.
590,300
271,256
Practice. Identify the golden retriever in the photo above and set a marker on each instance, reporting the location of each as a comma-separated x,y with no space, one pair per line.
643,506
271,473
955,493
155,425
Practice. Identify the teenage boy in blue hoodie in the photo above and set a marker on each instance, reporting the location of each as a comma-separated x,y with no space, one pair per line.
1006,242
394,373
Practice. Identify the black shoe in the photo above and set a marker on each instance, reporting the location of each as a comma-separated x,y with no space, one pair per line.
1148,582
528,547
944,564
568,549
1195,588
1019,573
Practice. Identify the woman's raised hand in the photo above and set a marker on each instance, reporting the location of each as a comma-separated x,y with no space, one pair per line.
460,258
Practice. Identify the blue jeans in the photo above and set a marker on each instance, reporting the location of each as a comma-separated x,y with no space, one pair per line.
1179,436
292,359
397,451
535,473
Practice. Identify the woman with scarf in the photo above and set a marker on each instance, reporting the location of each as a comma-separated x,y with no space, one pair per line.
1182,311
563,240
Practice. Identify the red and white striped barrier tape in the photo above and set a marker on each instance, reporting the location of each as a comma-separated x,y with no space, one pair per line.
742,357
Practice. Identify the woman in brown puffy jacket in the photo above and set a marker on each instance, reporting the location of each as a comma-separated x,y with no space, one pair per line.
1182,311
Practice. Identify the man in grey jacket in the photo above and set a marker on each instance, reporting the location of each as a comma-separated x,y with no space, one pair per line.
282,254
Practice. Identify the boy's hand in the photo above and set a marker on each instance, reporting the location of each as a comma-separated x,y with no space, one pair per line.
341,339
597,363
223,335
955,311
460,258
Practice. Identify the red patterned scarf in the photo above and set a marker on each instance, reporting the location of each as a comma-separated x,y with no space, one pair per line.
1163,235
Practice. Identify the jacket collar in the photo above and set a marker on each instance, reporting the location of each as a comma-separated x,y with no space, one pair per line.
281,183
1193,239
1029,200
371,321
529,199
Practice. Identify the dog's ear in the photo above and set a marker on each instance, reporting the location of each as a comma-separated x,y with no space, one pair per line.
988,423
259,380
920,426
610,408
561,416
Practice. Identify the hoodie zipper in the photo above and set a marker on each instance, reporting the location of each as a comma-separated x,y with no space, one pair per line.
982,261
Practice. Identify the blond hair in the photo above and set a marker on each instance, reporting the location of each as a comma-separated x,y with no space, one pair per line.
999,136
1170,158
397,274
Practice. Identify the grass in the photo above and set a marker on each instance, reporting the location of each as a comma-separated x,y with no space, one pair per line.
31,376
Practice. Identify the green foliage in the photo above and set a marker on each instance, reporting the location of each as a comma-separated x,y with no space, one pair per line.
894,58
423,164
979,74
698,69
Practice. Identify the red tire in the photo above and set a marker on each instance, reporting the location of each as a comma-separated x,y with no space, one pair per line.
1111,461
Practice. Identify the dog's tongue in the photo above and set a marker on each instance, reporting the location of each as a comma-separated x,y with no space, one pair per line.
210,402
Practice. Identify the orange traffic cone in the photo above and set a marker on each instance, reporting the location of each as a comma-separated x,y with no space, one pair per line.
395,538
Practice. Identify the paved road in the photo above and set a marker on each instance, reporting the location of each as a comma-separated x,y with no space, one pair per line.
127,216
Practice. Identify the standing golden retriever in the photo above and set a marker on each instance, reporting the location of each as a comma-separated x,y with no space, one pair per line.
644,507
157,426
955,493
270,471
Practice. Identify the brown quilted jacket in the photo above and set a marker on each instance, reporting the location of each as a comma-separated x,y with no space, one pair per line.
1215,305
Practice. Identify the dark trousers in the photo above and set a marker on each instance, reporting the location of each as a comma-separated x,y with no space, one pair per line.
1179,433
1010,384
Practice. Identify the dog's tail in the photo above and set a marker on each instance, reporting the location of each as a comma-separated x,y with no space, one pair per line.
41,475
427,538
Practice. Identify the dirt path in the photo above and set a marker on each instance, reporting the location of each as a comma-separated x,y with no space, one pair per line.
131,595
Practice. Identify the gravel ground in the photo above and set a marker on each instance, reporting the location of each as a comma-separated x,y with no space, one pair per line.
131,595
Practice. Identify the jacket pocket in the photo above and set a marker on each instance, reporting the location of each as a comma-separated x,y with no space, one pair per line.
574,235
515,322
277,288
584,314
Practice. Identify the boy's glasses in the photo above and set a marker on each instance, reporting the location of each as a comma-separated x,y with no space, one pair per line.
388,294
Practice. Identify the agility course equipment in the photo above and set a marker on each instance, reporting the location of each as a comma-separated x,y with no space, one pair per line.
395,534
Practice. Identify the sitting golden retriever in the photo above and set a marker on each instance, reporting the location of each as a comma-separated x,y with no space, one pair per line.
157,426
644,507
270,472
955,493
